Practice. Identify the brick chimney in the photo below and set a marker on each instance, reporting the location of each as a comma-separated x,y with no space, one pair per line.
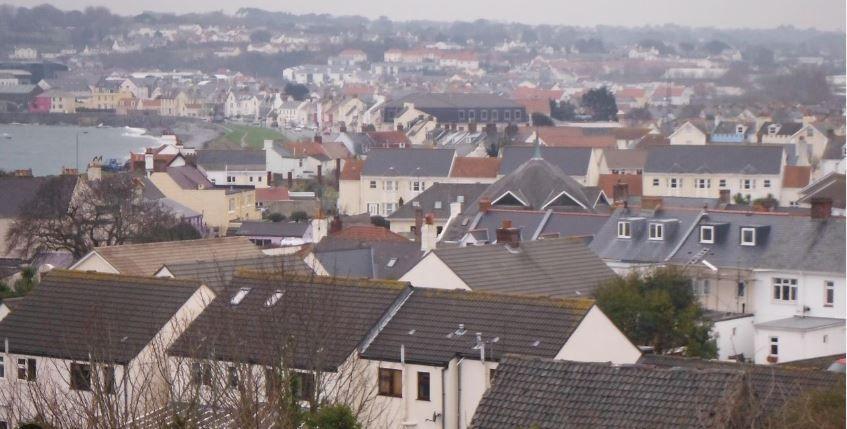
620,192
484,205
318,138
320,175
651,203
338,173
821,208
508,235
418,223
336,225
290,180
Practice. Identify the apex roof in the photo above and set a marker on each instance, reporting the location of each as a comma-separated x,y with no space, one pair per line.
572,161
409,162
217,274
710,159
425,101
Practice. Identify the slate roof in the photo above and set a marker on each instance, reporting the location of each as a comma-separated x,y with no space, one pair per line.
543,393
424,101
554,267
731,159
63,314
272,229
217,274
314,313
538,183
785,128
443,193
427,323
189,178
625,159
232,159
573,161
731,127
145,259
15,192
771,385
638,248
783,242
409,162
367,259
830,186
802,324
834,148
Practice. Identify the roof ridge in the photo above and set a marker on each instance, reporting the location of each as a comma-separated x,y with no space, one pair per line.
316,279
172,243
469,295
96,275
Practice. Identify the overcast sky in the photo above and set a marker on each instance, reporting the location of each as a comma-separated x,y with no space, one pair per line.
821,14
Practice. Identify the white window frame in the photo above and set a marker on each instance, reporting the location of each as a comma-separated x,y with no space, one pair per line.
748,242
766,183
748,183
461,115
239,296
373,209
655,181
517,115
828,286
656,231
704,183
483,115
674,183
774,342
416,185
711,229
784,290
624,229
507,115
722,183
372,184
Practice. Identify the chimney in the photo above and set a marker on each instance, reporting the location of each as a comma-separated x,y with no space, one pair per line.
821,208
342,128
418,223
651,203
484,205
290,180
320,175
95,171
338,174
320,226
509,236
455,209
723,196
149,162
429,233
268,144
336,225
620,192
318,139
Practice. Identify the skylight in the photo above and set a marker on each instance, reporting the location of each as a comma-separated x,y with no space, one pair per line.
274,298
391,262
239,296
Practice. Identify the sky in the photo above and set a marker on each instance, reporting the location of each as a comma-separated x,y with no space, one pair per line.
820,14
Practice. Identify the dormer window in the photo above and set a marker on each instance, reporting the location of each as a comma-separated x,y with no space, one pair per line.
657,231
739,129
772,129
624,229
748,236
437,204
707,234
239,296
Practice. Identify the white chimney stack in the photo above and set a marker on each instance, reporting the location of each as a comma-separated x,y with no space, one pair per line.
429,233
320,226
148,163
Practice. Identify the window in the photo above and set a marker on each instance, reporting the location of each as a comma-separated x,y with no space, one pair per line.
704,183
825,338
304,386
810,132
471,115
373,209
416,186
722,183
239,296
784,289
201,374
748,236
423,386
494,116
461,115
748,183
274,298
230,179
657,231
829,293
673,182
389,185
483,115
27,370
701,287
372,184
507,115
766,183
624,229
517,115
232,377
260,178
391,382
300,162
741,289
2,366
707,234
655,182
774,346
80,376
251,178
389,208
437,205
109,379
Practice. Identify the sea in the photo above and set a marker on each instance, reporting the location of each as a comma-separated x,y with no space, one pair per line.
46,149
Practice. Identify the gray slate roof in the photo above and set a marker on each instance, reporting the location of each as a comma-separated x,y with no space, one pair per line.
638,248
233,159
63,315
410,162
217,273
547,394
731,159
424,101
443,193
15,192
427,323
537,183
372,260
330,314
272,229
554,267
802,324
572,160
785,128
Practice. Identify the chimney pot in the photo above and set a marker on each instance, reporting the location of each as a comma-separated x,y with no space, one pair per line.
484,205
821,208
508,236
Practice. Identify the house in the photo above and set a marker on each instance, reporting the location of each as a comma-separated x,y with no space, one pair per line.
733,132
434,358
234,167
784,272
459,109
62,101
623,162
753,171
671,95
553,267
267,234
581,164
146,259
278,199
299,160
689,133
437,200
81,335
833,158
242,106
794,179
219,205
217,273
808,139
108,94
370,256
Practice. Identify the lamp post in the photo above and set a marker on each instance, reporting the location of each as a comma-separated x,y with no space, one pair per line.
77,148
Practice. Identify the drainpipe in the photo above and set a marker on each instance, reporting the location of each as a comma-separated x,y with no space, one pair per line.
459,393
404,391
444,398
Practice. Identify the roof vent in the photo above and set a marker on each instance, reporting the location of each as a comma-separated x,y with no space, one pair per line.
239,296
536,343
461,331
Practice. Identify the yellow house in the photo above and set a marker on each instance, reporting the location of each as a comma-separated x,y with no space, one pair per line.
219,205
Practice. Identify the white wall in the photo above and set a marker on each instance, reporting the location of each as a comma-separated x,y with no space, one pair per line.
794,345
432,272
735,336
597,339
810,293
94,262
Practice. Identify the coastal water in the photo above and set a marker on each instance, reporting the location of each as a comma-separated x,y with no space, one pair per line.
47,148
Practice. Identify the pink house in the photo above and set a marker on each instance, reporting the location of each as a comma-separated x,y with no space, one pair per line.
40,104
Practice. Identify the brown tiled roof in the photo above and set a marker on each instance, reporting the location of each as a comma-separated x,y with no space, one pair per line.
629,158
547,394
85,315
634,181
533,105
388,137
368,233
475,167
653,140
575,137
146,259
629,133
795,176
352,169
277,193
